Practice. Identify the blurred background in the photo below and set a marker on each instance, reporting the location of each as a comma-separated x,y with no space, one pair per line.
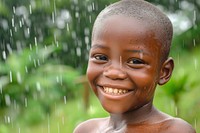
44,48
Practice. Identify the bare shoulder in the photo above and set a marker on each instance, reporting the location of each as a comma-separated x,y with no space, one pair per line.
178,125
90,126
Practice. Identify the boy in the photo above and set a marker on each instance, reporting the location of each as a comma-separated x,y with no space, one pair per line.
129,56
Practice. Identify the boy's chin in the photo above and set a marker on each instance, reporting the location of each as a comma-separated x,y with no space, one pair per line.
114,110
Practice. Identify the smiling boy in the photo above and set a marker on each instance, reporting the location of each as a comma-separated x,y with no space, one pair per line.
131,41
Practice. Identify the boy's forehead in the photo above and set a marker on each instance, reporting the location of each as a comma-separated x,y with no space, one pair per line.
123,26
119,23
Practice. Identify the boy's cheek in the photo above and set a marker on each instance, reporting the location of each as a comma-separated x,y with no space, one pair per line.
92,73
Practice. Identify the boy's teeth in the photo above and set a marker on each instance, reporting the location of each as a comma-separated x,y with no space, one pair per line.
114,91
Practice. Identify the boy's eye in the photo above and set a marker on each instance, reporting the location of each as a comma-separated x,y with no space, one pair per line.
101,57
136,61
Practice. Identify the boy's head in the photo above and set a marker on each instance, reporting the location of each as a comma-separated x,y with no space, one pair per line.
147,14
129,55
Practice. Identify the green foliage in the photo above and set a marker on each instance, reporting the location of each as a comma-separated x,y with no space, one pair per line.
29,79
184,80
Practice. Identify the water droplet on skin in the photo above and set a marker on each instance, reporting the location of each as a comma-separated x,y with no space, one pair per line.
120,61
141,55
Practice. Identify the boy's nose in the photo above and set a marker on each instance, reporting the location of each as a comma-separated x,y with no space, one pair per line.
115,73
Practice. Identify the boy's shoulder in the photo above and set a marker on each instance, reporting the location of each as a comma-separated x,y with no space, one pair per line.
90,126
177,125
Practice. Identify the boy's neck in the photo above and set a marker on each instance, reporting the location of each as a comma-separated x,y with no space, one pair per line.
137,116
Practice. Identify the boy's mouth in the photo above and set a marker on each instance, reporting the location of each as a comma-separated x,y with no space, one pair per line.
114,91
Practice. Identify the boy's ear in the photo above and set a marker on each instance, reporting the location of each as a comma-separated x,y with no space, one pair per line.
166,71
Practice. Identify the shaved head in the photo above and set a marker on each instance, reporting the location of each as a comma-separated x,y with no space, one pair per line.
146,13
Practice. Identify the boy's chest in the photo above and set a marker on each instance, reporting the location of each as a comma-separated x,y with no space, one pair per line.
154,128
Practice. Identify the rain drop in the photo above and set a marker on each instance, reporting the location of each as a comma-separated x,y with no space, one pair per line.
65,99
53,17
58,128
194,42
38,86
30,9
67,26
11,34
13,22
35,41
93,6
7,100
25,102
78,51
9,48
38,62
120,61
63,120
26,69
19,130
1,89
194,17
14,9
19,79
195,64
4,55
10,76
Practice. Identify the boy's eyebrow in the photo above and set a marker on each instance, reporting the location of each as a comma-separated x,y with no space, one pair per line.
138,51
98,46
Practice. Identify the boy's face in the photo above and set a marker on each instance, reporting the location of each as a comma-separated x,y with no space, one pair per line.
124,64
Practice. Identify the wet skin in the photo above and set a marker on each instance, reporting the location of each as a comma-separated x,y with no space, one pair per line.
123,70
124,56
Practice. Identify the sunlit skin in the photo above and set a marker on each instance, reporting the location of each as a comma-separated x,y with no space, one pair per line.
125,55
